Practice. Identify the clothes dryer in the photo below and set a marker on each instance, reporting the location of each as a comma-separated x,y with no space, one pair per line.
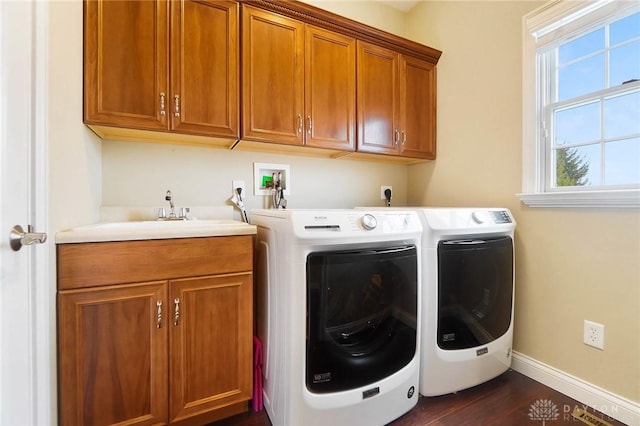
467,298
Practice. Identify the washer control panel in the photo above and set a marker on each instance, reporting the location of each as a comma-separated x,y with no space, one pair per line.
490,216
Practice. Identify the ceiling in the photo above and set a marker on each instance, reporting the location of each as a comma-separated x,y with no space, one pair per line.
403,5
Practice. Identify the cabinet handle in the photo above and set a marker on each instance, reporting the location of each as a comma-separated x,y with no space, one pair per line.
162,104
397,138
299,124
310,126
159,314
176,311
404,138
176,100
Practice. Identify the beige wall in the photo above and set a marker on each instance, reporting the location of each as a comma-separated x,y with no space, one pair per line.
571,264
74,151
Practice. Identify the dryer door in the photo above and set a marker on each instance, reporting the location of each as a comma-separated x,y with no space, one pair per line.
475,291
361,316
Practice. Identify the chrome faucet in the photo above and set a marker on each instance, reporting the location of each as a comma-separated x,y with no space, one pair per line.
170,200
162,212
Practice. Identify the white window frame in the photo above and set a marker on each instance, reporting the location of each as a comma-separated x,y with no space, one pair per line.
540,28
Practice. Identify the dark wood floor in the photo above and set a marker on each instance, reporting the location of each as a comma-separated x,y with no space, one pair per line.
504,401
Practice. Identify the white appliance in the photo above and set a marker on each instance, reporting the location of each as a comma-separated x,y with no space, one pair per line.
467,298
338,314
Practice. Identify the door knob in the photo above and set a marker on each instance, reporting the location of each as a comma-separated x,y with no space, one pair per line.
19,238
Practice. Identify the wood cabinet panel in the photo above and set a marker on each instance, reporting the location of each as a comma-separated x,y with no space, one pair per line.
330,75
378,99
174,350
95,264
125,63
204,67
211,345
113,358
273,66
418,98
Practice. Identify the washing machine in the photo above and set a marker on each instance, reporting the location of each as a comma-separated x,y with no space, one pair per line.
467,298
338,314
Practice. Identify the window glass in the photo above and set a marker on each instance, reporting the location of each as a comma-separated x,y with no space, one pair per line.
578,166
581,77
582,46
624,63
578,124
622,162
625,29
622,115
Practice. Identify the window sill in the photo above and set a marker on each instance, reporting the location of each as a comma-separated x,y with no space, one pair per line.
626,199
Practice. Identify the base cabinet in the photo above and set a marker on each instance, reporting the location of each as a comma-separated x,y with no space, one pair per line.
164,351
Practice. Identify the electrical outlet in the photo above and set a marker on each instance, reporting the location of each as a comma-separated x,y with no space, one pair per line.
382,189
235,184
594,334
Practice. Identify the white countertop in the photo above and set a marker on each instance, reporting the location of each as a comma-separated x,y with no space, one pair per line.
154,230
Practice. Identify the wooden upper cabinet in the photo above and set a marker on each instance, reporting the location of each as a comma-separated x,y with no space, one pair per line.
378,99
299,82
211,343
418,99
113,357
396,103
330,80
128,63
125,62
204,67
273,77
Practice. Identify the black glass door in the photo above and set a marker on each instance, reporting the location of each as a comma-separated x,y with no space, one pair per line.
361,316
475,291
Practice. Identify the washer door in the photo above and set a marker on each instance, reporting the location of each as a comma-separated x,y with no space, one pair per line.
475,291
361,316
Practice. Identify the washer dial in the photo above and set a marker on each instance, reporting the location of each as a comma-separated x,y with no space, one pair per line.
369,221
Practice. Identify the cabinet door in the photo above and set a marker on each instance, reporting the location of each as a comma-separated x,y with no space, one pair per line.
330,90
418,100
378,100
211,343
112,355
273,77
204,67
126,63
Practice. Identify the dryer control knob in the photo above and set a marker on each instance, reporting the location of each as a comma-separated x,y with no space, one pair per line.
481,217
369,221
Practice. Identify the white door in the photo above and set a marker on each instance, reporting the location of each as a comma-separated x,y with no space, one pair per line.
26,350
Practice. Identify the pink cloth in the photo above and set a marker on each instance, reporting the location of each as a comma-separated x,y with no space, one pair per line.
257,374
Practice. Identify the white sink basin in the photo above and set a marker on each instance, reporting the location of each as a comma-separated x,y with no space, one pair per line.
154,229
160,224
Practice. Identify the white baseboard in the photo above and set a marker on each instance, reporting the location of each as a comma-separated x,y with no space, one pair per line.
612,405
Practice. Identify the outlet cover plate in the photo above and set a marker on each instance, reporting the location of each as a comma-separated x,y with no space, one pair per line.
593,334
383,188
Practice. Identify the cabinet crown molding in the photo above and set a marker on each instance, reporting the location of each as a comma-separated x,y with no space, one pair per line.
339,24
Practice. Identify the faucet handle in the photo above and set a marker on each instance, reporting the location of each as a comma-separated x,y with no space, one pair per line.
184,212
162,213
